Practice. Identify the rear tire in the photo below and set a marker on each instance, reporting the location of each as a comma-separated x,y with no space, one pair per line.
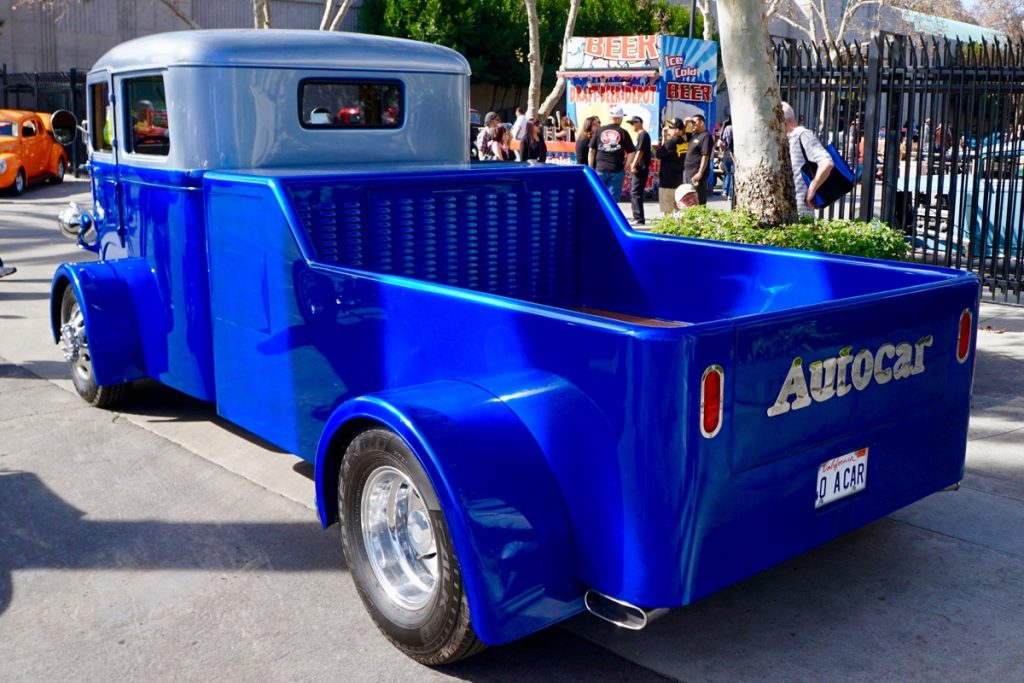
400,553
76,345
58,178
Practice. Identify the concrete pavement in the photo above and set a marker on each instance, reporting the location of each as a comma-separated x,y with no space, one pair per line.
162,543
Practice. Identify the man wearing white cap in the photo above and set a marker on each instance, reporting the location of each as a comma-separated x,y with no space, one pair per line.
611,150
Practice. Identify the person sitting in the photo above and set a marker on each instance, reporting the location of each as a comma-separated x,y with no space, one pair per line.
566,130
143,117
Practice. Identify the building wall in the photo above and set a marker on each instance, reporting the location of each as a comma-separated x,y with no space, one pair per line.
75,33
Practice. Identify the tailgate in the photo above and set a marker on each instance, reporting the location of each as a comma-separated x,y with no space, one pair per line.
838,369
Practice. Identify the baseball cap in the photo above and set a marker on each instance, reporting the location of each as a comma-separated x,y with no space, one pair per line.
636,119
490,116
675,123
686,195
617,112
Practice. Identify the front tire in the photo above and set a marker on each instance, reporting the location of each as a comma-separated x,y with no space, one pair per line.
400,553
78,356
18,188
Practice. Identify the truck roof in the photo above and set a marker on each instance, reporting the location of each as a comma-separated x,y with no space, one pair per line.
281,48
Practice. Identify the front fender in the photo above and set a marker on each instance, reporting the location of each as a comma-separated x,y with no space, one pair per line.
503,506
11,172
105,291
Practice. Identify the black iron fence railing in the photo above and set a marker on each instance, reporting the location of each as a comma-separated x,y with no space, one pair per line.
48,92
937,130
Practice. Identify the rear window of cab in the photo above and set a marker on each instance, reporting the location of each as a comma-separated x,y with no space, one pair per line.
336,103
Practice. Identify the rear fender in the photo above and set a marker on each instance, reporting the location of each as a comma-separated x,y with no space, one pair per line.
56,155
503,506
105,291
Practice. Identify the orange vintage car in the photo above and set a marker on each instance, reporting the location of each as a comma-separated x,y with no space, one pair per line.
32,147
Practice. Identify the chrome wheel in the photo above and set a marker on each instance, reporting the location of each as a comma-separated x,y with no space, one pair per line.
399,538
75,344
19,182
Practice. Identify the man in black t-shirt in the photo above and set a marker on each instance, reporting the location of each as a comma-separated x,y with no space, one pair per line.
639,169
611,150
670,153
698,159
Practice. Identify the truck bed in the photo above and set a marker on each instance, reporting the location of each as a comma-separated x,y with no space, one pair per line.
527,283
549,235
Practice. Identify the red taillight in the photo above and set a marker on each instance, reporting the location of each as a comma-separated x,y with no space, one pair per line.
711,401
963,339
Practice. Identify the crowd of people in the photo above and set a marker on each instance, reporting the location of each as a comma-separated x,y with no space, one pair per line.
688,153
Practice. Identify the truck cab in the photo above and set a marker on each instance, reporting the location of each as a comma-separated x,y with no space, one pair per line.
517,407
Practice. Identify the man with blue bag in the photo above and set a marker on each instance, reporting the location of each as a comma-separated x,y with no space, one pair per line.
820,175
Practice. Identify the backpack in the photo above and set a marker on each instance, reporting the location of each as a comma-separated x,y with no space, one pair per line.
727,137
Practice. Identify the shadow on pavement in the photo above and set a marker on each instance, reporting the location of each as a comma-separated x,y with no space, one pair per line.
48,191
46,369
24,296
150,399
38,530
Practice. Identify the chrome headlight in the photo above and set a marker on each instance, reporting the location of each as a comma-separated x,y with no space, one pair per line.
70,220
3,165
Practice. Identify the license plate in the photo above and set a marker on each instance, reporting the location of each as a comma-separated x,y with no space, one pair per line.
841,477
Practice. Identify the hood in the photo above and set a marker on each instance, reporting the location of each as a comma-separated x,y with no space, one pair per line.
8,143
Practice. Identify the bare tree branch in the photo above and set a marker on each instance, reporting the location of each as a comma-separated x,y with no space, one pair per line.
171,5
342,11
261,13
556,92
328,24
833,26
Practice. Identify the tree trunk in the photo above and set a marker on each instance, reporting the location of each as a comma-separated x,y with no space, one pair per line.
261,13
536,68
764,183
557,92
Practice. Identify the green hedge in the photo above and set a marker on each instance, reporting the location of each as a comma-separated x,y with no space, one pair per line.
853,238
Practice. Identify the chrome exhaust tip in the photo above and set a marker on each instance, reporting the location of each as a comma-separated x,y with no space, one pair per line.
619,612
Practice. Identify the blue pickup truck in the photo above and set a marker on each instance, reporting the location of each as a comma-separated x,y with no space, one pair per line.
518,408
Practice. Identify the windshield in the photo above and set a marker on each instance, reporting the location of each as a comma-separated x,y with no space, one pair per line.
8,128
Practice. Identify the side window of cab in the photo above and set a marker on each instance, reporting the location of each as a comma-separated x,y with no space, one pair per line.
146,113
101,120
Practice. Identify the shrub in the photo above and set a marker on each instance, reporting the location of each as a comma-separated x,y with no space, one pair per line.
852,238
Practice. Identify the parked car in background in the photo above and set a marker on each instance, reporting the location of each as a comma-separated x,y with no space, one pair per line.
32,147
474,129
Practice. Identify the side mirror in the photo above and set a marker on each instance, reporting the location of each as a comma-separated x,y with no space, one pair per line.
75,223
64,125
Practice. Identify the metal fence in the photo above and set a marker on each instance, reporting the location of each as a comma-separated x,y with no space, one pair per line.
48,92
936,129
